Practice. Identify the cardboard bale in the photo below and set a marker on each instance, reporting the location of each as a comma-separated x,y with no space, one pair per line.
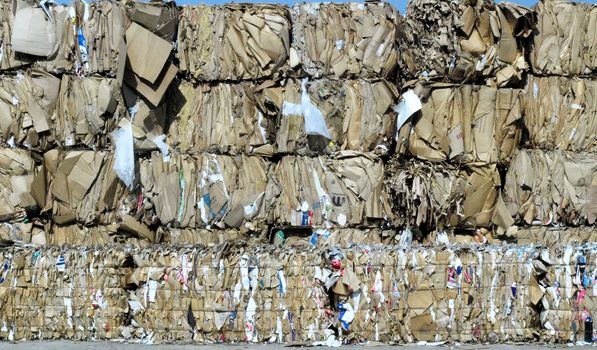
561,113
565,39
466,41
464,124
27,107
17,170
100,39
358,115
198,191
221,118
233,41
552,187
234,292
84,188
342,190
345,40
88,110
437,194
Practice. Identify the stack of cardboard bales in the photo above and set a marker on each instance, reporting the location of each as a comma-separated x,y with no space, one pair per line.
135,135
553,181
466,59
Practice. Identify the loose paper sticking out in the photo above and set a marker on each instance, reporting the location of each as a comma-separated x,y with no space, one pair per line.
409,104
124,162
314,121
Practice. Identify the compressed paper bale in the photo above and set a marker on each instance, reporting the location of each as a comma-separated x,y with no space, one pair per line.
102,25
84,188
17,170
262,293
358,115
198,191
345,40
27,104
565,39
552,187
466,41
561,113
88,110
233,41
345,189
221,118
464,124
437,194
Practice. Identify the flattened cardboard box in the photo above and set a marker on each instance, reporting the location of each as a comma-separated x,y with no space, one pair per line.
565,39
552,187
466,41
467,123
234,41
440,195
263,294
561,113
350,40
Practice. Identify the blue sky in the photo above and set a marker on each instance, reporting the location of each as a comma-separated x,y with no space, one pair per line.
400,4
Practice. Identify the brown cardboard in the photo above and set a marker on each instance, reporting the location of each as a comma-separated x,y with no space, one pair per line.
160,18
559,113
233,42
154,93
146,52
33,32
346,39
546,187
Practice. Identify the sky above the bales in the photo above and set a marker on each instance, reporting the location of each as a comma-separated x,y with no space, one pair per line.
399,4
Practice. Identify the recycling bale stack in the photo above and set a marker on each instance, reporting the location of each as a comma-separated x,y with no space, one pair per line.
260,173
552,180
459,119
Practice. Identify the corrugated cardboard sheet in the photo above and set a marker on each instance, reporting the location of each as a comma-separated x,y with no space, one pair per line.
343,190
552,187
561,113
265,294
467,123
201,190
437,194
466,41
565,39
345,40
234,41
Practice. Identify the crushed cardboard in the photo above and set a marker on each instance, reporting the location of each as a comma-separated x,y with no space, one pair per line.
233,41
561,113
345,40
464,124
233,292
552,187
565,39
476,41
